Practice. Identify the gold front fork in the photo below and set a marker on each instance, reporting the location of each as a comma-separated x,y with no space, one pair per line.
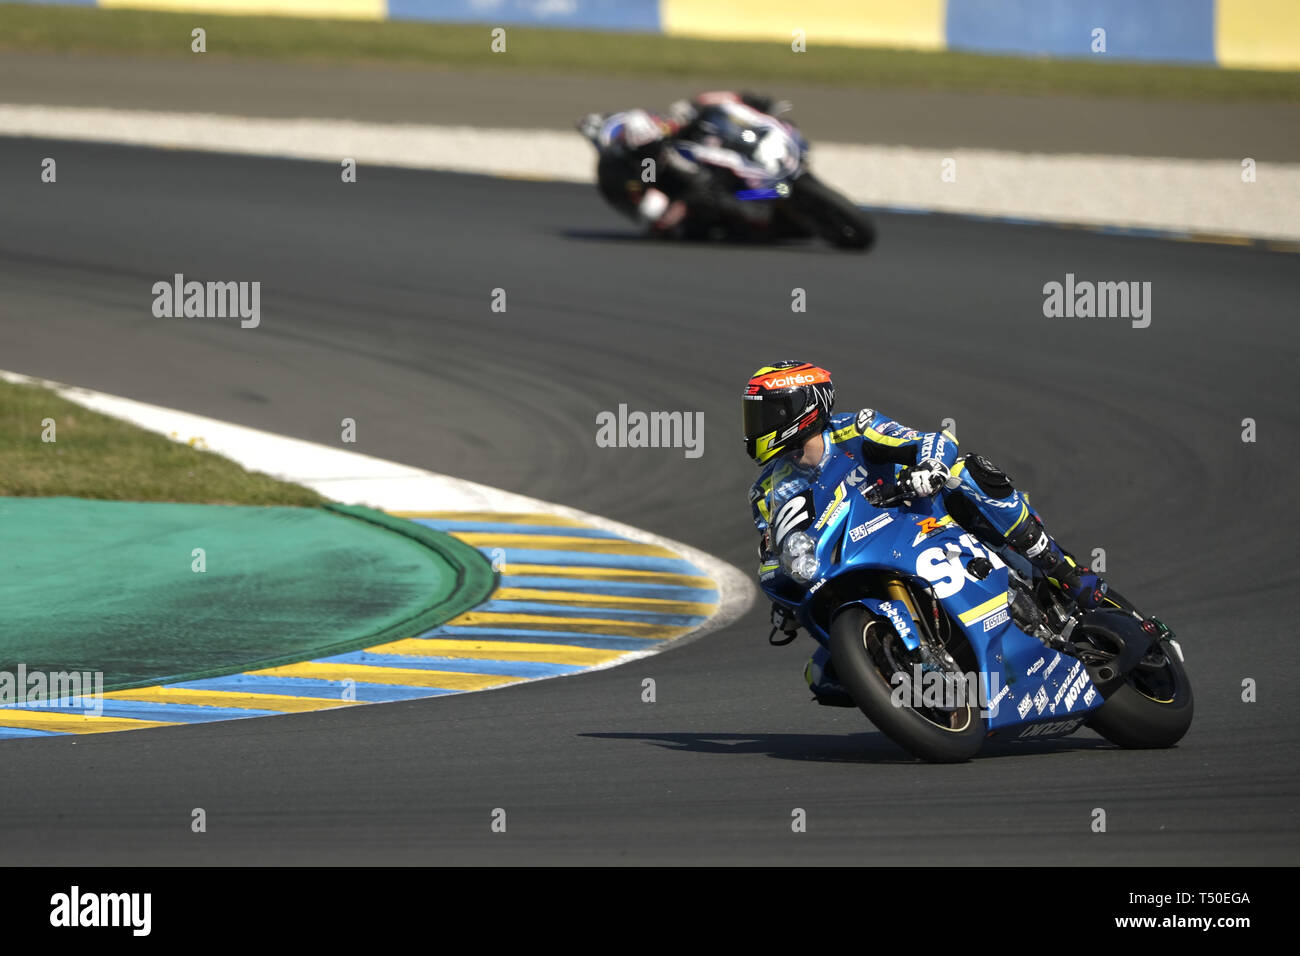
898,592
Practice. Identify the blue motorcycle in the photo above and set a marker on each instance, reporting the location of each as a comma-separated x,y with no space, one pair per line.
944,642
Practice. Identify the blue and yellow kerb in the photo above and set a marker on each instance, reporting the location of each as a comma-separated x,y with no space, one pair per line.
570,597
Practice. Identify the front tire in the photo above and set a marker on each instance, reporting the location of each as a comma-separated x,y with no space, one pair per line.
862,661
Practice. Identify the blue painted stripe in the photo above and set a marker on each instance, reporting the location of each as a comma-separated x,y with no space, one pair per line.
8,732
638,15
461,665
604,613
312,687
481,527
595,559
151,710
666,592
1178,30
531,636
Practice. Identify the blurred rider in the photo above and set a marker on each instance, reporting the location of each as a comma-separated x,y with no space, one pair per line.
642,174
791,431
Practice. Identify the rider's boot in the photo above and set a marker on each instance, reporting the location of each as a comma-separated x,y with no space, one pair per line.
822,681
1032,542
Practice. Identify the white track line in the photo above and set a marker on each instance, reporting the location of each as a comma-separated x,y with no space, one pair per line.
1183,195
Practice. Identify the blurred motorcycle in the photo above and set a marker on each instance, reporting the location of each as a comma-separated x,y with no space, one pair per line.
731,172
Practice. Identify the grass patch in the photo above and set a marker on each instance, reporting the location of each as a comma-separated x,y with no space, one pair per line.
95,456
459,46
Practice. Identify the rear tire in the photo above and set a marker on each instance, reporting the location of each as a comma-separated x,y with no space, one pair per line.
858,656
1151,710
831,215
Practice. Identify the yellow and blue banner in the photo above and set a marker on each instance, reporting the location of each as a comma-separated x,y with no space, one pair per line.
1256,34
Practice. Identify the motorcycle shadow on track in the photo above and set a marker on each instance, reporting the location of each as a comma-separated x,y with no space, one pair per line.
633,237
864,748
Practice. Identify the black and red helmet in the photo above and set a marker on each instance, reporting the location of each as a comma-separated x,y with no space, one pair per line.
785,404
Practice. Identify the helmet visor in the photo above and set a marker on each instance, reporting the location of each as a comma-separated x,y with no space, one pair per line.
768,419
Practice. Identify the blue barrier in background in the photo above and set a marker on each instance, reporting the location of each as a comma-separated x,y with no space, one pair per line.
631,15
1135,29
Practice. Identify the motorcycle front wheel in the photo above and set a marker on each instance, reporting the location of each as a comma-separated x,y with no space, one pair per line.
831,215
866,661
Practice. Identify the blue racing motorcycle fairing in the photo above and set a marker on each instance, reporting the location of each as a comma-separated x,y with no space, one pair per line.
1023,681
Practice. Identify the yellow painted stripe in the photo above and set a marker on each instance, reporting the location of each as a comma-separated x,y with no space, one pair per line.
917,24
1218,239
586,599
1024,513
285,703
73,723
500,651
1257,34
492,517
339,9
550,622
832,505
555,542
992,604
872,435
390,675
629,575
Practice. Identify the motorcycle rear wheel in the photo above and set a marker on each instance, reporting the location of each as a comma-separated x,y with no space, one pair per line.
1152,709
860,661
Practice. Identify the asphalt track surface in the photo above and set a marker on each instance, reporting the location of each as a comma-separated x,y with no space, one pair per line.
376,307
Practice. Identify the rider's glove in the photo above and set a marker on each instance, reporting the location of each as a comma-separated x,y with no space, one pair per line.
783,620
589,126
925,478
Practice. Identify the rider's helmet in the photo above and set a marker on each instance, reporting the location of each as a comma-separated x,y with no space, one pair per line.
631,131
785,404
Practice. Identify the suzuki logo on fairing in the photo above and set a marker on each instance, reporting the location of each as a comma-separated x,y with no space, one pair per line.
944,570
1055,727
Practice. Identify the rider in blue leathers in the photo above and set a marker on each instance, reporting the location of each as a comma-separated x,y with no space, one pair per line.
791,430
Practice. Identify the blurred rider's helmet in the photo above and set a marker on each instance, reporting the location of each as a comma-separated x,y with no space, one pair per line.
785,404
633,130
